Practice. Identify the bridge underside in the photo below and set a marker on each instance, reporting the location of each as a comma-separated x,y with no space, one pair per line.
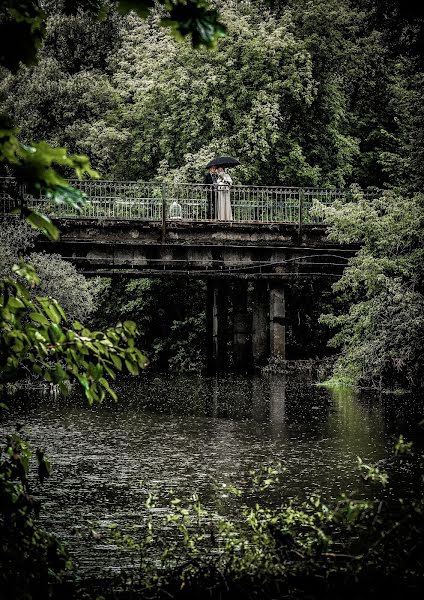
246,265
201,250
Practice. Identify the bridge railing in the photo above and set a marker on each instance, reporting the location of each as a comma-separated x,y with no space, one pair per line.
158,201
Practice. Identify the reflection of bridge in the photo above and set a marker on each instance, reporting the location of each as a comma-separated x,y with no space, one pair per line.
140,229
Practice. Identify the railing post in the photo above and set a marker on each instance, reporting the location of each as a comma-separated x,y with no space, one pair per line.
163,233
301,197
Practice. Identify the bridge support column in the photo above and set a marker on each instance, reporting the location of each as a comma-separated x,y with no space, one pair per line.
217,325
241,329
260,329
277,327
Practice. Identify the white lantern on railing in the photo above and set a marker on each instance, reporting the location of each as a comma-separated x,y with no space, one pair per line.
175,211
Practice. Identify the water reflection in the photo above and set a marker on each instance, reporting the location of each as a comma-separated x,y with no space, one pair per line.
357,422
277,402
181,433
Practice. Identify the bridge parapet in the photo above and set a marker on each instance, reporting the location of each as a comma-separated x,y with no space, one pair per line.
162,202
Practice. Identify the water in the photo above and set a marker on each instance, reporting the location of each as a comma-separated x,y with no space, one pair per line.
182,433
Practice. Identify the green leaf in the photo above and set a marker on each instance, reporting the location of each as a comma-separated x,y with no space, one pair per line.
130,327
132,367
55,333
84,382
27,272
42,223
39,318
15,303
116,361
18,346
105,384
50,309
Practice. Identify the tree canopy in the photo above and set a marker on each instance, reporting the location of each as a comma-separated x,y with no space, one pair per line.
327,93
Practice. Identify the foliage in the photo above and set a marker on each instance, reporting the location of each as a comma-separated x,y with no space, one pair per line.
31,558
361,548
303,93
35,165
76,102
36,335
381,323
16,237
22,26
22,30
236,100
59,279
171,316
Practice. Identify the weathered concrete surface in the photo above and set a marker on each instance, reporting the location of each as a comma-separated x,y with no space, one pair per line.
217,313
248,251
241,327
260,329
277,325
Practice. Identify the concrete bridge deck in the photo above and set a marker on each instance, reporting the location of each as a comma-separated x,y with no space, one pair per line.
198,249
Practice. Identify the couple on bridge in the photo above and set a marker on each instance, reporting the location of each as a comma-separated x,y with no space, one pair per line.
218,193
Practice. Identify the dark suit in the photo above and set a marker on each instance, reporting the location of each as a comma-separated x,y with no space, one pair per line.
211,180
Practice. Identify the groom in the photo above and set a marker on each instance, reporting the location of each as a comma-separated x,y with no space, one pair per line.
211,180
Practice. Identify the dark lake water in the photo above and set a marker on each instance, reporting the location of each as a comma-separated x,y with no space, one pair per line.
175,433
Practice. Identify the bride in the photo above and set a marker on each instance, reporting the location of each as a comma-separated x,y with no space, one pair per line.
224,181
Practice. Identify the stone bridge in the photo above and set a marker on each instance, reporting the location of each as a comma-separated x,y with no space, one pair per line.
136,229
246,265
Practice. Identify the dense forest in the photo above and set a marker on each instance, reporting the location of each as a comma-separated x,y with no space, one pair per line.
325,93
305,93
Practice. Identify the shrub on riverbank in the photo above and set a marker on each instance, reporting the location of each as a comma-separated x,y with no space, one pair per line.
351,549
379,320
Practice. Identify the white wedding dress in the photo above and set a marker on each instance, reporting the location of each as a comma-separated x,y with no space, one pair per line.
224,212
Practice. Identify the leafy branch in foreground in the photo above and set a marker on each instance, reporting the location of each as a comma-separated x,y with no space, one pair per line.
34,166
36,335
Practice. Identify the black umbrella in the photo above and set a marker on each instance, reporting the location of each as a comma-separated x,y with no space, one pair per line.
223,161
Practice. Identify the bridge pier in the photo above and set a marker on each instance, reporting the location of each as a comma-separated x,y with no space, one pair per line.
241,329
277,317
260,325
255,338
217,325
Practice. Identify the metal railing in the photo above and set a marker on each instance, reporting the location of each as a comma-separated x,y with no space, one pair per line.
163,202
